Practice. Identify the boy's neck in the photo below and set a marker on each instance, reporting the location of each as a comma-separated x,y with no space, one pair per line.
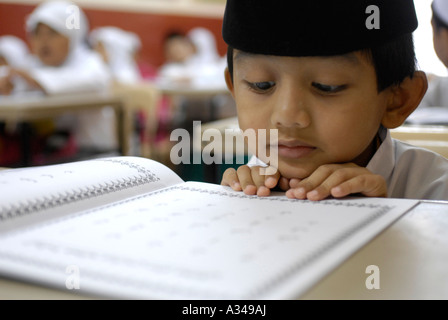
364,158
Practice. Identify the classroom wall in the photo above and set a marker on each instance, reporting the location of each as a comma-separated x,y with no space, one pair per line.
151,27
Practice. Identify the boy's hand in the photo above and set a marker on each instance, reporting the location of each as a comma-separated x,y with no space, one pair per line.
251,181
6,86
25,76
338,180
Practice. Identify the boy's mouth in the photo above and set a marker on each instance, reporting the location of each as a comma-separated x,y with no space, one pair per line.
294,149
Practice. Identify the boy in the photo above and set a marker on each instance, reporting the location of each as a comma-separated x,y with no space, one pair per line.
331,77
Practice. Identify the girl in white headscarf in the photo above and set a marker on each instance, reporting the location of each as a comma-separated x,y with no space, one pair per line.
201,66
63,63
434,105
58,66
118,49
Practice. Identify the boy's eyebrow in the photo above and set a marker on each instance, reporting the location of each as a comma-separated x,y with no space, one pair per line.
350,57
242,54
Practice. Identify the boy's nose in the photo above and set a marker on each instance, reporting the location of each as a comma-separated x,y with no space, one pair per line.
290,111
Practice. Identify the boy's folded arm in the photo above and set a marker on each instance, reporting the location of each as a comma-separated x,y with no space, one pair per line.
339,180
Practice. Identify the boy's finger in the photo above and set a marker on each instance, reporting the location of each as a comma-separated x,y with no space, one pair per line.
369,185
245,179
271,181
294,183
230,178
335,179
284,183
318,185
259,180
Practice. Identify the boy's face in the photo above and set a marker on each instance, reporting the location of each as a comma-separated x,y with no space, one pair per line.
440,41
49,46
326,109
178,50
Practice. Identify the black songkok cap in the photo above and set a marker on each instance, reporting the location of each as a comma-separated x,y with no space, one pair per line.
315,27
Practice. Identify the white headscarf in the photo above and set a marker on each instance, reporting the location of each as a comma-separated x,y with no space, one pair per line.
64,17
15,51
441,9
205,44
83,69
120,46
204,69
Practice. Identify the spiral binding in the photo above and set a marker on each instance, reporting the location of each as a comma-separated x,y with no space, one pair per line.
53,201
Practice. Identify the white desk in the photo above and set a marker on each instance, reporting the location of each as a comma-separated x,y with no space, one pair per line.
411,254
22,110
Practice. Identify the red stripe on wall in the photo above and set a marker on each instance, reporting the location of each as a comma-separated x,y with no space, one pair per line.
151,28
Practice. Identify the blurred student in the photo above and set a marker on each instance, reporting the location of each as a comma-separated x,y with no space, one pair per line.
14,53
118,49
437,94
192,60
62,63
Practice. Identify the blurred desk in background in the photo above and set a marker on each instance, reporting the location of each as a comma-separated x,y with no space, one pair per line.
25,109
139,97
207,94
432,137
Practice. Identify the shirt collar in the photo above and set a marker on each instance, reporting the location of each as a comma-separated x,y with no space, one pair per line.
383,160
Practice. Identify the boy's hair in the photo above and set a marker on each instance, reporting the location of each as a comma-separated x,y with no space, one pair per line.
381,29
393,61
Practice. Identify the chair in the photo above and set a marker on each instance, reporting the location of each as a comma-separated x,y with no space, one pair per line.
141,97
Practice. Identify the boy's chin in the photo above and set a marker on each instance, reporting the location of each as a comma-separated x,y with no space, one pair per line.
296,171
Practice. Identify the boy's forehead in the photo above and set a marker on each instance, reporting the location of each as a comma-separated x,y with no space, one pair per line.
347,58
315,27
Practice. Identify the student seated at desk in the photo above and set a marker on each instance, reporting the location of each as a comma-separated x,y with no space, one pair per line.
62,63
437,87
14,54
119,49
331,78
433,108
192,60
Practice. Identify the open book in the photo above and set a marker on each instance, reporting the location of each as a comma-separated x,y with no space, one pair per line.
131,228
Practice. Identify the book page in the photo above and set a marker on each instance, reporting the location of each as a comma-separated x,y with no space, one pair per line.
198,241
35,194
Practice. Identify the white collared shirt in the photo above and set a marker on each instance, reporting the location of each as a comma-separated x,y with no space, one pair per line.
410,172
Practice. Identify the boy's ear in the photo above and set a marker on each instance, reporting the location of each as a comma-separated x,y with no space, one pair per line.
229,81
404,99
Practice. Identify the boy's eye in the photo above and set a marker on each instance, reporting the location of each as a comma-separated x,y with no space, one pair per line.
261,86
328,88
